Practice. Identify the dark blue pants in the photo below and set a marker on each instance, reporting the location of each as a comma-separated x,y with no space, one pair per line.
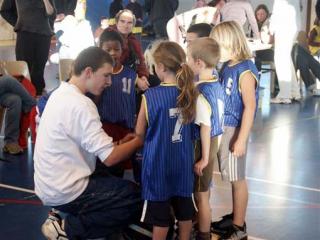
107,206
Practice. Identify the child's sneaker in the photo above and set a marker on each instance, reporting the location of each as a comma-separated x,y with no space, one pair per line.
235,233
52,229
221,226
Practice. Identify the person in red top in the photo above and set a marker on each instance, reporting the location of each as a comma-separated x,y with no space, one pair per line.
132,54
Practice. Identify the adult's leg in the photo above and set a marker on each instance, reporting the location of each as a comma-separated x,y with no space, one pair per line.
284,65
160,29
25,48
39,62
13,104
302,64
9,84
311,63
107,206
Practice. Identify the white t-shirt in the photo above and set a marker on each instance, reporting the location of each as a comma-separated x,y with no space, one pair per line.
203,111
69,138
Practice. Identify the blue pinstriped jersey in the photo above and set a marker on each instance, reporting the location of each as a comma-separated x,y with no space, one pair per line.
118,102
230,80
168,156
213,93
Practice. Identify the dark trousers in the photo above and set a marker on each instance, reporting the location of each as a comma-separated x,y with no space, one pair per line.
160,28
16,99
306,63
34,49
108,205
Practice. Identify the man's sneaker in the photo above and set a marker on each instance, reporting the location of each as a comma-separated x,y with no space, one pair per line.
221,226
52,229
235,233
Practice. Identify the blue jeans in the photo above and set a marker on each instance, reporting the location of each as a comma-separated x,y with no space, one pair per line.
107,206
16,99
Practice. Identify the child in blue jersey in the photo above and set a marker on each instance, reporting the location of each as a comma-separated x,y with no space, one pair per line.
203,56
165,122
239,80
116,105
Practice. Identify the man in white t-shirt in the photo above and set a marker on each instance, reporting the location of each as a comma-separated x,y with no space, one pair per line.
69,139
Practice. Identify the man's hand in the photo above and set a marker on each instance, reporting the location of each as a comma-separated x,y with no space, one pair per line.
143,83
199,166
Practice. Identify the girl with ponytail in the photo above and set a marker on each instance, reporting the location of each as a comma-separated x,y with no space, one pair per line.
165,123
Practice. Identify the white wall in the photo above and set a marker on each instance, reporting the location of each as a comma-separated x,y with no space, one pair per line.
186,5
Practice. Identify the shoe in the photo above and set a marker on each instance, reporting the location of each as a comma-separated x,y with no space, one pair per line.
280,100
52,229
235,233
297,99
221,226
311,87
12,148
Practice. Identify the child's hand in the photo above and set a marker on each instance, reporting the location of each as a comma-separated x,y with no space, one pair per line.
239,148
143,83
199,166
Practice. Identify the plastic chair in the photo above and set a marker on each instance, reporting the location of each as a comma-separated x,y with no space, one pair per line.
65,68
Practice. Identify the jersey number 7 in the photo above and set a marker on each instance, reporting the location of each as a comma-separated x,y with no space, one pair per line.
175,113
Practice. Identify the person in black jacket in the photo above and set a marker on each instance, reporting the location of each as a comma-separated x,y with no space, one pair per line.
160,13
115,7
318,9
33,21
65,7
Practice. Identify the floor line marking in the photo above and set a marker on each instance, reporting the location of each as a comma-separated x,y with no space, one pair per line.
272,196
17,188
278,183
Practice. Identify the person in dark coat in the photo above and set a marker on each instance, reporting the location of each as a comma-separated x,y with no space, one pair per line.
33,21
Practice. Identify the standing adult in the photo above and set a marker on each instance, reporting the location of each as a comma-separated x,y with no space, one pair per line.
33,21
160,12
69,139
241,12
285,29
65,8
115,7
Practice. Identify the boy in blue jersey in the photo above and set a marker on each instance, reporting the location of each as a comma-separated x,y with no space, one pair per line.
239,79
203,56
199,30
117,103
165,123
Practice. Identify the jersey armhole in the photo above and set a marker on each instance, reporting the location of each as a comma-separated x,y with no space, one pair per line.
144,102
241,77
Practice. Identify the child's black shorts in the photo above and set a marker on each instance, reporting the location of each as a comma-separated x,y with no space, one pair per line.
160,213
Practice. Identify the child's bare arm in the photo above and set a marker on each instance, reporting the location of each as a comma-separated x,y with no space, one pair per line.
142,120
205,149
248,86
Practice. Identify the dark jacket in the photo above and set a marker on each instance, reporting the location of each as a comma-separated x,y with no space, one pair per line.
161,9
136,9
28,16
115,7
66,7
